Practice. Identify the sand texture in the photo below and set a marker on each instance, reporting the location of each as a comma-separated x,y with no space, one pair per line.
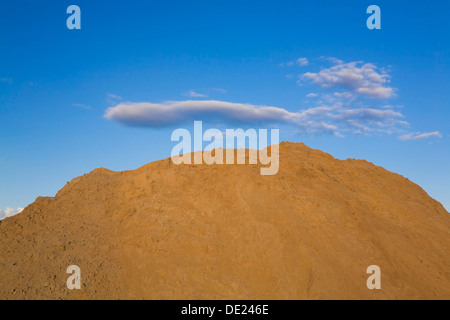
168,231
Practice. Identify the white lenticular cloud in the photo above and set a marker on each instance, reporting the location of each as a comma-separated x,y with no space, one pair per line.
9,212
176,112
324,118
363,79
420,136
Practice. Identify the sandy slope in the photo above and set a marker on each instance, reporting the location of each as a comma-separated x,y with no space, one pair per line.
225,232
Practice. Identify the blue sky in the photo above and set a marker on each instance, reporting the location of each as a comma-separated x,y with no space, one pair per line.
381,95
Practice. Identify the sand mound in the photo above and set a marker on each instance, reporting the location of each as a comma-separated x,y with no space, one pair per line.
226,232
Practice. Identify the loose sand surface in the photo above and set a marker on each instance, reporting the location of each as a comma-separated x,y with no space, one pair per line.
168,231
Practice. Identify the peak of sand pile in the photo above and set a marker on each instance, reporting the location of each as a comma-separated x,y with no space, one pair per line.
226,232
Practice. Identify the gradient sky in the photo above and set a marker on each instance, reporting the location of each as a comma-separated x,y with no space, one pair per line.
381,95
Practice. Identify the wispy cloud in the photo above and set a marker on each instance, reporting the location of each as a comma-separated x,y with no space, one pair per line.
344,95
82,106
205,93
302,62
333,60
337,119
112,98
9,212
220,90
420,136
363,79
194,94
6,80
312,95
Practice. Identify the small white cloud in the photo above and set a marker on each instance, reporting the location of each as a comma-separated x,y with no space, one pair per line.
397,106
312,95
331,59
195,94
420,136
220,90
6,80
205,94
82,106
112,98
303,62
363,79
9,212
343,95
